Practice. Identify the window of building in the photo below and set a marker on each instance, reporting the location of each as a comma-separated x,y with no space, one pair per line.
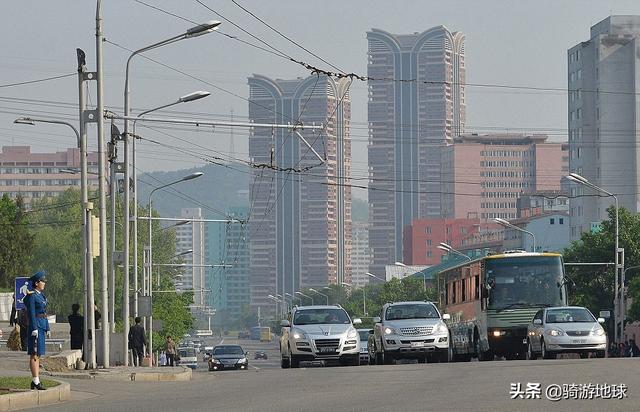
552,221
561,221
429,254
428,230
429,242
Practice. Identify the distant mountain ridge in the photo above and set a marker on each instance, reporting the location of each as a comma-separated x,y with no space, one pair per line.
220,188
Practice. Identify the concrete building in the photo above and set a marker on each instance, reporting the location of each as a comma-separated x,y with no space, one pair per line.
422,237
39,175
229,286
190,236
409,125
551,231
537,203
603,83
485,174
360,254
300,231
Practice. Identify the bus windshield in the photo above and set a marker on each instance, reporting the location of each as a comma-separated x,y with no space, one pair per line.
527,281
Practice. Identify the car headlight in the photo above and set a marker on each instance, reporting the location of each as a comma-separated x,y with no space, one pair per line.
555,332
389,331
441,328
214,360
598,332
243,360
352,333
298,334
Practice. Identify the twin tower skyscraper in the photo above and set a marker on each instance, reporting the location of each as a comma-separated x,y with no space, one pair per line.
300,226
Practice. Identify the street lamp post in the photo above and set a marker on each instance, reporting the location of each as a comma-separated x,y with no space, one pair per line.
184,99
510,225
293,297
306,296
320,293
149,270
576,178
196,31
87,259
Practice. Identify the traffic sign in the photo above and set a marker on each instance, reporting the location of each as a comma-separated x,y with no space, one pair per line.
21,288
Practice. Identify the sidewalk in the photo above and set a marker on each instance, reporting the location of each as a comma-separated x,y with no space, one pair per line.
17,363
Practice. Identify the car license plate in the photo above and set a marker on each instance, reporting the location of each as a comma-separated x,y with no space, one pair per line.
328,349
417,344
578,341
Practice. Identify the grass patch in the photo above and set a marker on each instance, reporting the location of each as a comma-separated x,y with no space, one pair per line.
8,383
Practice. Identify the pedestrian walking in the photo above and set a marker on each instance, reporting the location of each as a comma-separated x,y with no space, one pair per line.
137,342
170,349
13,318
76,327
634,351
36,304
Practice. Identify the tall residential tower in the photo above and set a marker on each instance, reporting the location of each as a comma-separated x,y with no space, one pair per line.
416,107
300,207
603,81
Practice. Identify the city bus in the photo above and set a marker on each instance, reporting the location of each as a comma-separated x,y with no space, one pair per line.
491,301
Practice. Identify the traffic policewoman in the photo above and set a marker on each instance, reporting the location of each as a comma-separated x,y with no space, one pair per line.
36,305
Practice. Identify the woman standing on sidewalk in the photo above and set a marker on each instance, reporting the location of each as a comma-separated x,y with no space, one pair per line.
36,304
170,351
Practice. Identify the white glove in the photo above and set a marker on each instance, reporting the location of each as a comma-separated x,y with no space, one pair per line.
48,334
35,333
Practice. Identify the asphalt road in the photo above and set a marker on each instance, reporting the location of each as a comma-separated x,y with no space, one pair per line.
473,386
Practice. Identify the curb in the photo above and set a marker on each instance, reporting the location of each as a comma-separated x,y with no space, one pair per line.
33,398
184,375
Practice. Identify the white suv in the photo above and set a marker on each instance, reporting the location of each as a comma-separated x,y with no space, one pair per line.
319,333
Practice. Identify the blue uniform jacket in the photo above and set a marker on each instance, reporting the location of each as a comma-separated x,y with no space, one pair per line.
36,303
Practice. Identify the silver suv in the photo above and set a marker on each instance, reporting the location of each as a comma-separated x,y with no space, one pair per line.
319,333
410,330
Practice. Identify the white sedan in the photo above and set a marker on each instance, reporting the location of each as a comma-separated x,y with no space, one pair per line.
566,329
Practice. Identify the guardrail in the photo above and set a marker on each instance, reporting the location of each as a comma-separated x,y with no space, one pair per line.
57,343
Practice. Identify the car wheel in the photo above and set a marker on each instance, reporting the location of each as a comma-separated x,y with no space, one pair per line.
372,356
295,362
387,359
531,355
545,353
284,362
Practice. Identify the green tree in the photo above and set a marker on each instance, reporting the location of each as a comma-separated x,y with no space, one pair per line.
16,243
594,285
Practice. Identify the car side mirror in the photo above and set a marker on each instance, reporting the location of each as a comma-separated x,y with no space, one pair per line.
357,321
537,322
446,316
370,331
601,320
285,323
376,319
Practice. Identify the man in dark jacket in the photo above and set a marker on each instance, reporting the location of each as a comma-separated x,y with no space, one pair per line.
76,327
137,342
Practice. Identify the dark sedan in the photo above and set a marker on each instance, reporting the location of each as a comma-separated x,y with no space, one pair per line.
228,357
260,354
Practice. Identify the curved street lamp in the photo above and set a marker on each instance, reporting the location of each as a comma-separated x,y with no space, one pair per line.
510,225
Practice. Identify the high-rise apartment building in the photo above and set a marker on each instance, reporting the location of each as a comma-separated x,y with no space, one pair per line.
484,175
38,175
300,221
360,254
416,106
603,82
228,244
190,237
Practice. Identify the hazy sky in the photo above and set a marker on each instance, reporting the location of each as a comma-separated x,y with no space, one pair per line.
520,43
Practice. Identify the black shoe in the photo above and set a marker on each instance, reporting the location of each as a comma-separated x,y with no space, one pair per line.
38,386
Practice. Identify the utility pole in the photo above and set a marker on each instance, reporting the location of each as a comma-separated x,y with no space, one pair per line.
87,258
102,189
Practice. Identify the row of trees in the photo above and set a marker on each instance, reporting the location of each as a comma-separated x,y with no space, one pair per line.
49,237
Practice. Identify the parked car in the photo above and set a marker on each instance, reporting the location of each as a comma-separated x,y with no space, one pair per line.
364,344
409,330
260,354
322,332
228,357
565,329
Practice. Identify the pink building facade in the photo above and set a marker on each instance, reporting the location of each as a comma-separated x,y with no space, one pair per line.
39,175
484,175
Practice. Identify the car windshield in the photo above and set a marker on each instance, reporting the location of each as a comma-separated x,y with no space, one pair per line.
321,317
529,281
411,311
569,315
228,350
364,335
187,353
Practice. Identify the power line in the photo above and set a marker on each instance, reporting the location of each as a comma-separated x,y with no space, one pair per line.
38,80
